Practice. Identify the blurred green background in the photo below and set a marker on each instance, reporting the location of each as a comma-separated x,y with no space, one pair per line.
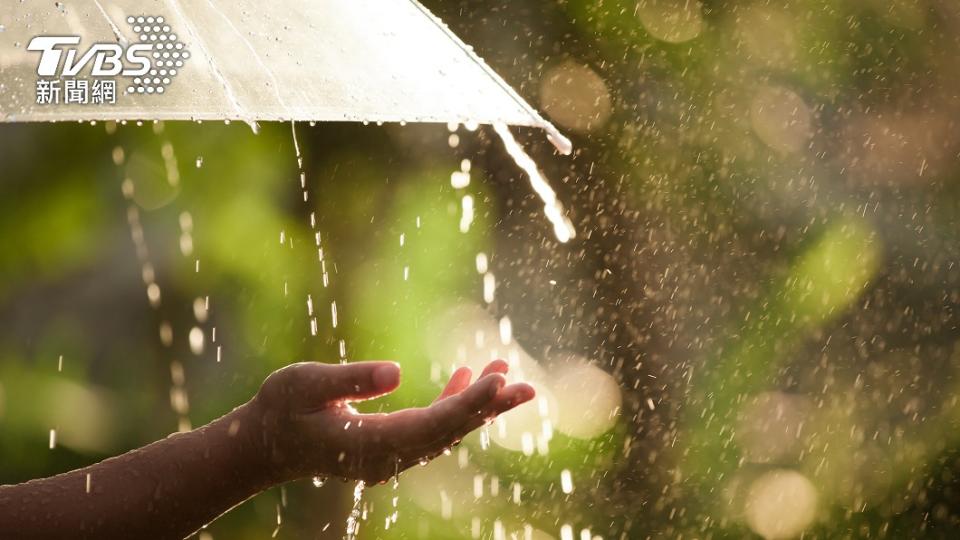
754,332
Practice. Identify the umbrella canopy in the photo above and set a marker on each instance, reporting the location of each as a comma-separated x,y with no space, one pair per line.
249,60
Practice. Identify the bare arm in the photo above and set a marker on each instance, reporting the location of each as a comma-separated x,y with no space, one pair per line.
164,490
299,424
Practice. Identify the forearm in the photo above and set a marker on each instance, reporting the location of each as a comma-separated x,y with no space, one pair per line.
299,423
167,489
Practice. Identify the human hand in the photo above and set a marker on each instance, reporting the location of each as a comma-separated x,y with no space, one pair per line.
308,428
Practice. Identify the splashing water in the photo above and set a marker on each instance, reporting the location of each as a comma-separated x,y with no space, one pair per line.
353,520
562,227
554,211
392,518
396,500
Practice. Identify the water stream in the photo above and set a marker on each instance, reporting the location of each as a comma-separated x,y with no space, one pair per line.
562,227
178,393
353,520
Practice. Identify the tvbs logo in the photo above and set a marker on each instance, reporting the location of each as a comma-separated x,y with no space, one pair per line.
108,59
149,63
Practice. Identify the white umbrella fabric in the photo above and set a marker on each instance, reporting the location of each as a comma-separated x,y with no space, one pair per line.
247,60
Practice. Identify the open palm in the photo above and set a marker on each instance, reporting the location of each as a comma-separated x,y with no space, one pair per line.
309,427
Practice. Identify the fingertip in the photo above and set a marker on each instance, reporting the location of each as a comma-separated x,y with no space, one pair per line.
462,372
525,393
386,376
477,396
495,382
526,390
513,396
496,366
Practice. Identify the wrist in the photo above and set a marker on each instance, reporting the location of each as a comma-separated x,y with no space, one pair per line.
247,429
269,449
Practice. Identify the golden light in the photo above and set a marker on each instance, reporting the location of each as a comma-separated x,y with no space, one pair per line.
780,504
767,36
591,400
771,426
781,119
575,97
673,21
528,429
469,335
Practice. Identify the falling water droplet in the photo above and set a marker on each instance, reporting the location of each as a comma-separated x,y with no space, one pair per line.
353,520
506,330
459,179
566,481
319,481
196,339
466,218
484,438
489,286
396,496
153,294
482,263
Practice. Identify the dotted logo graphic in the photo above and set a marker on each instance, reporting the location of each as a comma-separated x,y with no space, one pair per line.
168,54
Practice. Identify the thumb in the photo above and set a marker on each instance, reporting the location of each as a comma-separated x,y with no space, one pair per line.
308,385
